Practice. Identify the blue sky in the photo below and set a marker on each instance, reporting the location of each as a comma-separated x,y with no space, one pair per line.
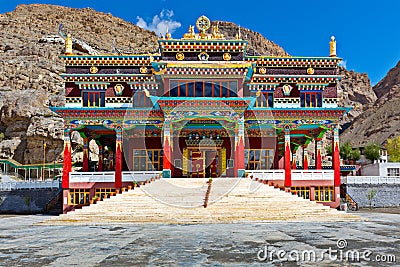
367,32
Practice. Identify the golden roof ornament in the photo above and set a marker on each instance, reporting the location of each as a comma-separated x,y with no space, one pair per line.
68,45
190,34
215,32
203,24
167,35
332,47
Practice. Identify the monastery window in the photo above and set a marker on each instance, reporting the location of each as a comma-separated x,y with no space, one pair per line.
258,159
147,160
324,193
101,192
78,196
94,99
264,100
141,100
393,172
187,88
311,99
301,191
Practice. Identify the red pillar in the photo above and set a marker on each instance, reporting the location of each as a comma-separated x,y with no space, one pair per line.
336,157
118,158
288,172
67,166
239,149
167,145
305,158
100,164
85,164
318,159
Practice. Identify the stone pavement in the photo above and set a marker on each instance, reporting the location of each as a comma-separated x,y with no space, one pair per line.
24,242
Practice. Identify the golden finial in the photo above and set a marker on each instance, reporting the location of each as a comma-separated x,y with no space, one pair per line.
190,34
238,34
167,35
332,47
215,32
68,45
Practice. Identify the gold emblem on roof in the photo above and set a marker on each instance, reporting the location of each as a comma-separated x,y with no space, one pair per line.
227,56
93,69
203,24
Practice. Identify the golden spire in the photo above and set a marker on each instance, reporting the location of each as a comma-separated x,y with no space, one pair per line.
332,47
167,35
68,45
190,34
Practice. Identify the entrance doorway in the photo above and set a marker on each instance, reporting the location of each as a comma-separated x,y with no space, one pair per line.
204,163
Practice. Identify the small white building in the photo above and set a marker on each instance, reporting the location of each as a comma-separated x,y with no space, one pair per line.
381,169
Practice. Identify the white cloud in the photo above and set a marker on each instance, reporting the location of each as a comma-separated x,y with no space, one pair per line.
343,63
160,22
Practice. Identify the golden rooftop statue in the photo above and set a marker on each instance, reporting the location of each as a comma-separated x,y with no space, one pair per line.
68,45
190,34
203,24
332,47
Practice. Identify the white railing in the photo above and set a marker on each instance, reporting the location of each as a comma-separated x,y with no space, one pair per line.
139,176
371,180
91,177
109,177
7,186
312,175
269,175
301,175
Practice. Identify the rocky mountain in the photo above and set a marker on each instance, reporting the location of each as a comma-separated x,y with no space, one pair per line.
355,91
30,70
258,44
382,119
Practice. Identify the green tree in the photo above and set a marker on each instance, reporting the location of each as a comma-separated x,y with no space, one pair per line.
328,150
370,195
372,151
393,149
355,154
346,151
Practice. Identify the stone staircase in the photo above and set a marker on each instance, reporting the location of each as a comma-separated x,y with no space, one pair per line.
180,200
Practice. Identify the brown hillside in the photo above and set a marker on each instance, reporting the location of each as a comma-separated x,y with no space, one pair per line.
381,120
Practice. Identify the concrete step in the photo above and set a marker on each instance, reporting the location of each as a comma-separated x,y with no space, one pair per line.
230,200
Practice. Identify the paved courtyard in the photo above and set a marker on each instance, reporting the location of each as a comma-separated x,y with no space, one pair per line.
26,243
